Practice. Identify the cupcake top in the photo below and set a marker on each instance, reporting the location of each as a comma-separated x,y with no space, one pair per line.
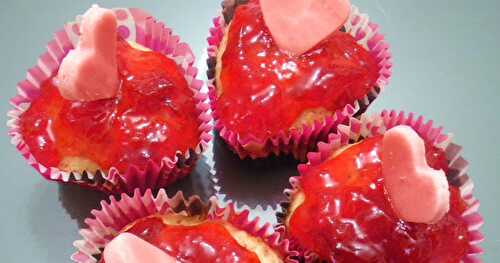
365,204
194,239
263,90
112,103
188,230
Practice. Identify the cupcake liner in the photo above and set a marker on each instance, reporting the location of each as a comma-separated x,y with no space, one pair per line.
114,215
299,142
266,213
369,126
137,26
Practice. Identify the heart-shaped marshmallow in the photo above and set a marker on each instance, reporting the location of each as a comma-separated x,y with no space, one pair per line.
417,192
90,71
298,25
127,248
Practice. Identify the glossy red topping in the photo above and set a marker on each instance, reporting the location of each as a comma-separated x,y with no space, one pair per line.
347,215
264,90
206,242
153,116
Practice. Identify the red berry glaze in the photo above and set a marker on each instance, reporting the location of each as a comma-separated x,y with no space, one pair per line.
153,116
347,215
205,242
265,90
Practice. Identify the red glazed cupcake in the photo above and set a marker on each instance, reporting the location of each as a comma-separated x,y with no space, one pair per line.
343,209
267,100
187,230
113,104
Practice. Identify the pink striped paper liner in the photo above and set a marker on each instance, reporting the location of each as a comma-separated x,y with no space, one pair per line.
373,125
299,142
137,26
114,215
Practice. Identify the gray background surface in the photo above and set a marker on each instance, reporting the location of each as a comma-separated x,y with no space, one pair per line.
447,67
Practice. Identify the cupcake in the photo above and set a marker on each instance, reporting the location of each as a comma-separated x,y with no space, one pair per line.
384,189
113,104
150,228
277,86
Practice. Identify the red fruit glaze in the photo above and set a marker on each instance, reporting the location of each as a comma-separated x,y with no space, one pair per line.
153,116
264,90
346,214
206,242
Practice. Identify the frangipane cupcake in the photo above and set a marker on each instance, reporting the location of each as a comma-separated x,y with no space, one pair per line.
285,73
388,188
113,104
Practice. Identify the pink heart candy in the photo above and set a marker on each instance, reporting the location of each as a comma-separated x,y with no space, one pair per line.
417,192
127,248
90,71
298,25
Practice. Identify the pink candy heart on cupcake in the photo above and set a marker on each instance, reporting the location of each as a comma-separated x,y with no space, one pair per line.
127,248
417,192
299,25
90,71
